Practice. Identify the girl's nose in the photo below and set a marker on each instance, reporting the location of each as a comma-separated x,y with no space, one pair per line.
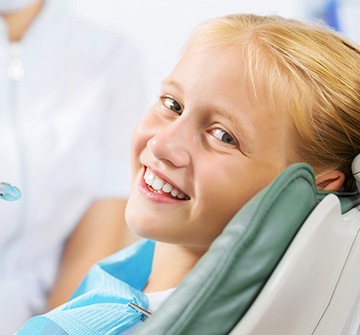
172,144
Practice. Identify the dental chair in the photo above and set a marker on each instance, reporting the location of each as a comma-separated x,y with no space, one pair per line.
288,263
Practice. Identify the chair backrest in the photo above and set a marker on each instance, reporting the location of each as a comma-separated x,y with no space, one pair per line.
315,289
250,267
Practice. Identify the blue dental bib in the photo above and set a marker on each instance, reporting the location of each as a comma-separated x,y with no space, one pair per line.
101,303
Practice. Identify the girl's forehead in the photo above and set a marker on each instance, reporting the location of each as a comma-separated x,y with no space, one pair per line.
222,74
228,59
232,63
209,69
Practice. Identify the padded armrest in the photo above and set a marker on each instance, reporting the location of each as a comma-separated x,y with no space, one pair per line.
227,279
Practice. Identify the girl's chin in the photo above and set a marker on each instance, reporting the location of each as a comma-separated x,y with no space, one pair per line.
139,222
142,231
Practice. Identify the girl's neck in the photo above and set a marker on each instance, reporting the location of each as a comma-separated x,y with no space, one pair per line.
170,266
19,22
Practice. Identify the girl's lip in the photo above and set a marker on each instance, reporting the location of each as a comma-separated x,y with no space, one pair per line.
160,175
158,196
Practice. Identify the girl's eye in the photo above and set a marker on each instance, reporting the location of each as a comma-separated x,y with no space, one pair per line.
173,105
223,136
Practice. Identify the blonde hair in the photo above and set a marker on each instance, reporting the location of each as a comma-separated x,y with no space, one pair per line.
310,73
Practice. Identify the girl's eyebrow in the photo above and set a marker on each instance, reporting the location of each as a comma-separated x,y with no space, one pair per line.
246,138
172,82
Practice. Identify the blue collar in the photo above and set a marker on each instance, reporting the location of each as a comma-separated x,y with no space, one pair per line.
101,303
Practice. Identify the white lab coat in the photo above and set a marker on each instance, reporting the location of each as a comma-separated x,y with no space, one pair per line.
70,95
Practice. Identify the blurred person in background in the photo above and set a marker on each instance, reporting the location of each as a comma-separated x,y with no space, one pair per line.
342,15
70,94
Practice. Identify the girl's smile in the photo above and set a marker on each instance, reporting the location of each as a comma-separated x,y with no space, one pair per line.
160,189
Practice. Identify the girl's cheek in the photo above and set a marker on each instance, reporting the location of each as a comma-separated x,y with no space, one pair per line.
141,135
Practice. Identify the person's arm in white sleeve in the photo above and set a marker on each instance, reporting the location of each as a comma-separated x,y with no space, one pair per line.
102,230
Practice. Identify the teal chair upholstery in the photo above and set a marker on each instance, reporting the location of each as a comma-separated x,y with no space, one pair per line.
224,292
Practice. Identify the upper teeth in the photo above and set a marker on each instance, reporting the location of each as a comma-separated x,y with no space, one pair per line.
159,184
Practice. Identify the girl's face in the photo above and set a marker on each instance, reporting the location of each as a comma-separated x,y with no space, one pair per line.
203,150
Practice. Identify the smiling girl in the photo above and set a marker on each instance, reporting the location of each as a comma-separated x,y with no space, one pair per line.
250,96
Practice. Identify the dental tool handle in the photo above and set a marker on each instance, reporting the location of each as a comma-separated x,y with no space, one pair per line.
9,192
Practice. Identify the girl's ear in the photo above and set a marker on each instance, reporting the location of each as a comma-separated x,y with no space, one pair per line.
331,181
